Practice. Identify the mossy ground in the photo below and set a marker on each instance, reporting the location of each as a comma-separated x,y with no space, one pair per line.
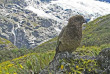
79,66
34,62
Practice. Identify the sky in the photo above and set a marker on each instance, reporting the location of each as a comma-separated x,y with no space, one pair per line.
105,0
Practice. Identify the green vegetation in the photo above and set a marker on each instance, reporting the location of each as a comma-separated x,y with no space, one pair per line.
47,46
6,45
97,32
4,41
30,63
34,62
78,66
11,54
90,50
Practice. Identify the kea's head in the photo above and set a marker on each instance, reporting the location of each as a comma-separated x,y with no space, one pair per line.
76,20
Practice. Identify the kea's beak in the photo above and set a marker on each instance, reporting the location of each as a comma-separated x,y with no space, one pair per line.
85,21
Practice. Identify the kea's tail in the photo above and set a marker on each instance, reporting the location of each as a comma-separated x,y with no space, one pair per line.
57,49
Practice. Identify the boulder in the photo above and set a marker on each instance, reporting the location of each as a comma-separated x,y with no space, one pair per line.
103,60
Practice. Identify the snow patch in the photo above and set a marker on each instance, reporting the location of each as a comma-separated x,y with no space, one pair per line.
85,6
39,12
57,29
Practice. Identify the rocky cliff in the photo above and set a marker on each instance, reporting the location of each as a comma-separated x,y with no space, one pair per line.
23,27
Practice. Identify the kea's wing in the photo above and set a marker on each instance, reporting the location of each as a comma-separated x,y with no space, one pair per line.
60,35
58,41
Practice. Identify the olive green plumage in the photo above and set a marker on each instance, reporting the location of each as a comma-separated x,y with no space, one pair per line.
70,37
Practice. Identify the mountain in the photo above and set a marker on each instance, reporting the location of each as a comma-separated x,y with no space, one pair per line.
23,27
31,22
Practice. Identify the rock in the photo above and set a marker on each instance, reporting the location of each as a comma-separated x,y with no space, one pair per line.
53,66
94,65
104,60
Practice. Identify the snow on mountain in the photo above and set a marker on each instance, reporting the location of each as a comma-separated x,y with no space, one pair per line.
84,6
63,9
39,12
88,8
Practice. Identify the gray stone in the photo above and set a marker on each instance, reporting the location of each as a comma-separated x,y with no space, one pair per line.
104,60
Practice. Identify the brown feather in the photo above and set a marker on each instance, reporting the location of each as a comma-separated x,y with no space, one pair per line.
70,37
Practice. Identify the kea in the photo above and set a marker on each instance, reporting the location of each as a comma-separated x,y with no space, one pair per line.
70,37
